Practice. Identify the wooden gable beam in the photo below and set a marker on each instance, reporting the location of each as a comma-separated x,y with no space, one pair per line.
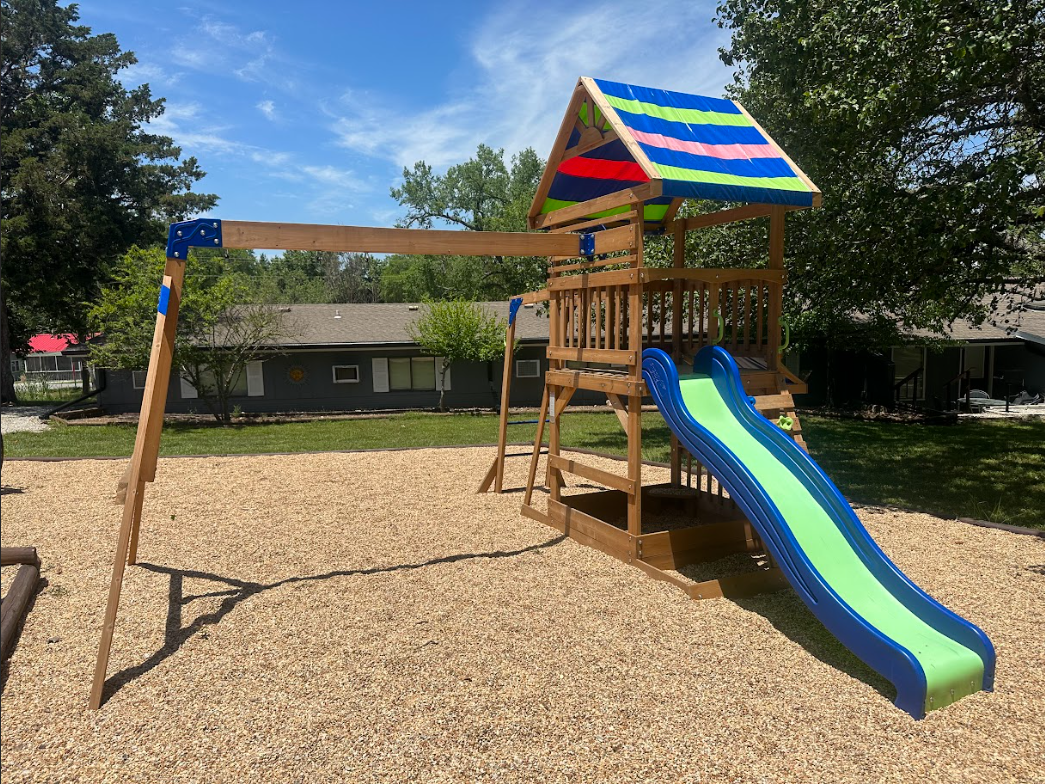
365,239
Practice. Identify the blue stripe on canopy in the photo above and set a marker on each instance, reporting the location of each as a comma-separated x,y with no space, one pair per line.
667,97
566,187
714,191
706,134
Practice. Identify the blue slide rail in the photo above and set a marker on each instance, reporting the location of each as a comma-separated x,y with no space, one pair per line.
884,655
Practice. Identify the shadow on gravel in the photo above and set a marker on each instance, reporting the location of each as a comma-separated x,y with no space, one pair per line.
794,620
176,635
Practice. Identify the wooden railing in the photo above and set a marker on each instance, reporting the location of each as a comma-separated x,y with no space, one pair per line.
737,309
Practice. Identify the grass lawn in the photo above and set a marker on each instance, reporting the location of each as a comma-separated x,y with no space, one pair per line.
989,469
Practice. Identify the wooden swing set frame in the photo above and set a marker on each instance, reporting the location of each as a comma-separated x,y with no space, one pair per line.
605,307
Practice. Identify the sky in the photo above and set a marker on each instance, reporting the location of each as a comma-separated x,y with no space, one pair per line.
307,112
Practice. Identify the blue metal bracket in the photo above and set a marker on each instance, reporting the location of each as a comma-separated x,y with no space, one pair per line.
199,233
587,244
513,309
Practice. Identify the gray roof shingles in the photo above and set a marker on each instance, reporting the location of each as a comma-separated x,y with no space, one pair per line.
382,323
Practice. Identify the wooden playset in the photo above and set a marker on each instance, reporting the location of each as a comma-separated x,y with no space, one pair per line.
605,306
624,160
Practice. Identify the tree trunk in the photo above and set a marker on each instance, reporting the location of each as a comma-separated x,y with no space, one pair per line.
8,396
442,385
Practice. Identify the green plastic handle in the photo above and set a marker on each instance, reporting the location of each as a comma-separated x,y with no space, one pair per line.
787,336
721,328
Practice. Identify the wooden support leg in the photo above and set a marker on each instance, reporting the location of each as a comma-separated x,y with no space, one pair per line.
554,477
135,496
676,461
536,447
635,464
144,458
506,390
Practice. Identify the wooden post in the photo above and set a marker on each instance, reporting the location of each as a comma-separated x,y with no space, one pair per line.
506,390
776,291
635,401
536,447
143,460
676,337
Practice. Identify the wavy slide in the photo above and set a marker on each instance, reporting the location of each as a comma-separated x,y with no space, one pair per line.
932,656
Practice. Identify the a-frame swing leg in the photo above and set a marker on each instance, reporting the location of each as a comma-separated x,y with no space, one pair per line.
143,460
536,447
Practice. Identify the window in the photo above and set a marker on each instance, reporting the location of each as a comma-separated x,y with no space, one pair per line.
416,373
346,374
528,368
138,378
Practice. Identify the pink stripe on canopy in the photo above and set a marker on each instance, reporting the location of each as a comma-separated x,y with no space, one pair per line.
723,151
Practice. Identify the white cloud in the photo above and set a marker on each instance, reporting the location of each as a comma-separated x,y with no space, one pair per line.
267,108
525,73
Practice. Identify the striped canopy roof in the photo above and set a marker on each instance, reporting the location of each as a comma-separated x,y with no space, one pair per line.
692,146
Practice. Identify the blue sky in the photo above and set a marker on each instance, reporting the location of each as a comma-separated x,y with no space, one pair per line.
307,112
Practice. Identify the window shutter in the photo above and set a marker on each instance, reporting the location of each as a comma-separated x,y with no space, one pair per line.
440,382
255,379
188,391
380,367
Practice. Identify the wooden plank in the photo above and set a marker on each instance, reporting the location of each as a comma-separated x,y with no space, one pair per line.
10,556
659,274
595,264
740,586
612,240
585,209
774,402
657,574
610,278
721,217
617,383
367,239
595,474
580,354
575,520
623,217
506,391
533,297
817,196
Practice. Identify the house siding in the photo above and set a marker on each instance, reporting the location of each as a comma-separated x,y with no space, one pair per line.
472,385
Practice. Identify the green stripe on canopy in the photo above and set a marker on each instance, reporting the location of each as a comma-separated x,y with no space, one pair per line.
671,114
650,212
699,175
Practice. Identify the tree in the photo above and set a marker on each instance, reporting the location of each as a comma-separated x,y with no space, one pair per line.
310,276
220,330
924,126
481,194
83,178
458,331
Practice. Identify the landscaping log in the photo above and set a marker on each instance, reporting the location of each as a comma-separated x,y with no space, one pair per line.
14,605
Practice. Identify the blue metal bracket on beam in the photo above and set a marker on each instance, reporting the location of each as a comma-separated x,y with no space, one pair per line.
199,233
513,309
587,244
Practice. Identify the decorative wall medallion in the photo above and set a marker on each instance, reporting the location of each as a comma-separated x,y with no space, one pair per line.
296,374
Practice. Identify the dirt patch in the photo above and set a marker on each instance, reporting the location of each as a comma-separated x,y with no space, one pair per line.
368,617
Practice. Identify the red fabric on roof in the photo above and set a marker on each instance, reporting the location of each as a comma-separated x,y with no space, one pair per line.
50,344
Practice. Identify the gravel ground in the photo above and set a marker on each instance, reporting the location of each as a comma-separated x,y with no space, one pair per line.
16,419
367,617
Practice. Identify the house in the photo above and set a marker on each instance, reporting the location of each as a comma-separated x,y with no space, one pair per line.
355,357
53,360
998,360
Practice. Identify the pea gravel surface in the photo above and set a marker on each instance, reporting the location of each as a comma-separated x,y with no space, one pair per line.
368,617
